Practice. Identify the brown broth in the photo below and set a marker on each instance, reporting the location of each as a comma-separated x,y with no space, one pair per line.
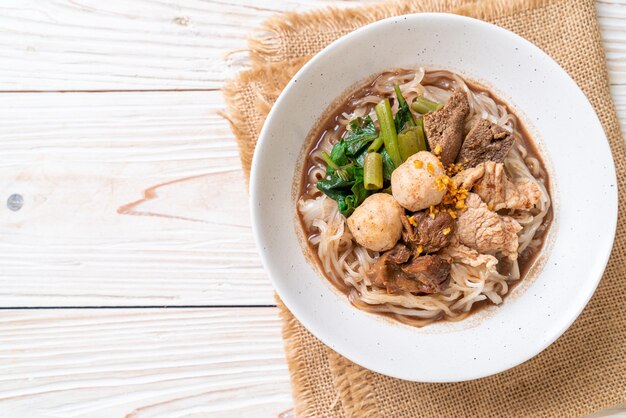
526,260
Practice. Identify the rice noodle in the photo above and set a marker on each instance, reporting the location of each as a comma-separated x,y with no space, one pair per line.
345,263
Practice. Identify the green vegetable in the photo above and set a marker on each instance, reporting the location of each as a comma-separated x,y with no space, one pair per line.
407,142
399,95
403,115
359,194
363,160
421,139
332,167
388,131
344,166
423,105
338,153
374,146
360,160
329,161
411,141
419,121
388,165
362,132
373,171
348,194
334,186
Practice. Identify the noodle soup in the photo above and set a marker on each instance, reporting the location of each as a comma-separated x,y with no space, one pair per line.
423,197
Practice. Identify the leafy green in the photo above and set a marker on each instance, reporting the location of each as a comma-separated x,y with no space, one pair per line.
333,168
403,115
334,187
388,165
360,160
338,154
348,194
362,132
359,194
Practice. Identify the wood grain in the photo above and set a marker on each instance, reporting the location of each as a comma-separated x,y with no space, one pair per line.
142,363
612,18
129,199
121,45
152,44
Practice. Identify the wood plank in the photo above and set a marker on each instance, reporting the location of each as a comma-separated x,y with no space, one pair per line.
151,44
129,199
142,363
612,18
120,45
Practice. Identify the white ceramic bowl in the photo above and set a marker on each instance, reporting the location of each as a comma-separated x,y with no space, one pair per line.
560,119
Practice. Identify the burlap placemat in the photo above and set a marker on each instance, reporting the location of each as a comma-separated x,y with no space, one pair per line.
585,369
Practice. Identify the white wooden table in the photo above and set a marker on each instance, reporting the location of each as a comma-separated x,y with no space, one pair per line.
130,285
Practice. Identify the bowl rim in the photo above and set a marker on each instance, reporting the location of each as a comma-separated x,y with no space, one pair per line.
257,220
